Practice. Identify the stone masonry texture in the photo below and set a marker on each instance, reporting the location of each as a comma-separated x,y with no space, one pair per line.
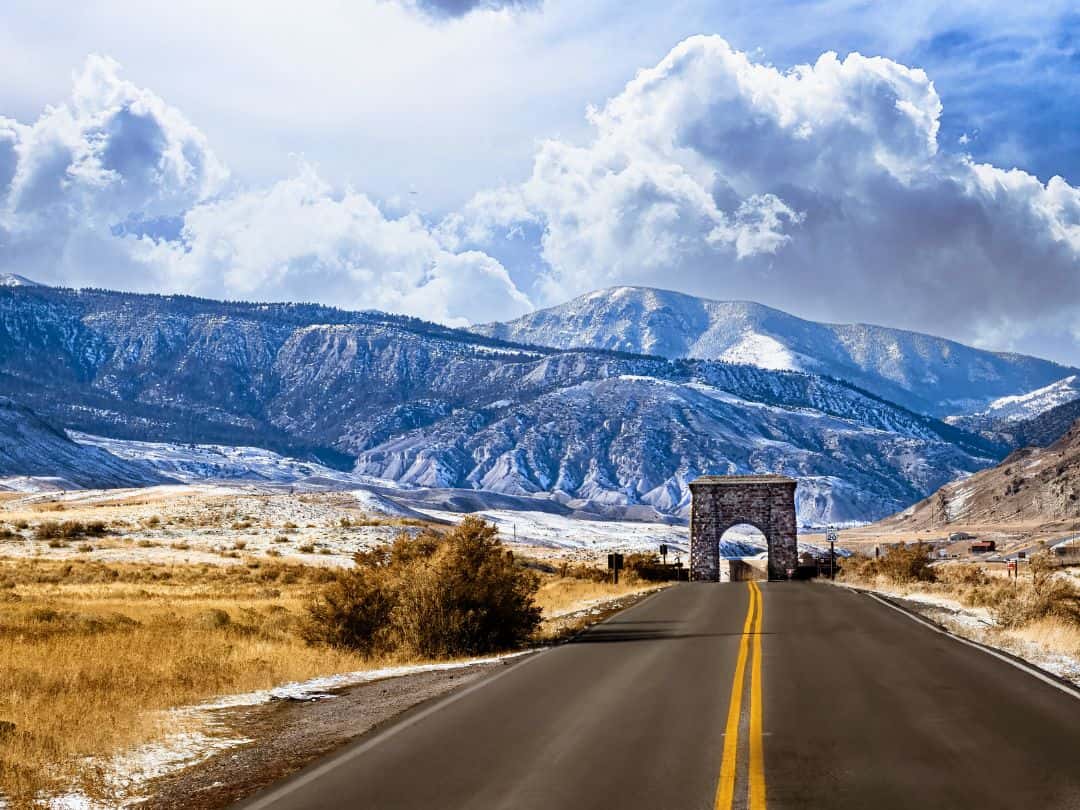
766,502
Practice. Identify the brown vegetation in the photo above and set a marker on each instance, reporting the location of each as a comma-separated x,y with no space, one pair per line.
92,653
69,529
433,596
89,651
1041,607
900,565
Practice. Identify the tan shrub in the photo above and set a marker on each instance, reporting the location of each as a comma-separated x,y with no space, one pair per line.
434,595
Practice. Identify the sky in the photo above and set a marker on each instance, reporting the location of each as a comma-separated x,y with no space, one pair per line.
914,165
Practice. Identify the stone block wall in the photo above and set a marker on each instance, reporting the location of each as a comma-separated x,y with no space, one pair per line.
720,502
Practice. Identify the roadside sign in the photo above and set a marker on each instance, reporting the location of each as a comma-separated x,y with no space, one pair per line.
830,535
614,564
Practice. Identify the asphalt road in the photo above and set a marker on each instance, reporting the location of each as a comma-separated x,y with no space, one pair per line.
707,696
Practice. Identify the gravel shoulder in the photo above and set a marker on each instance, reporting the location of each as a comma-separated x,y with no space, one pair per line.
286,735
976,624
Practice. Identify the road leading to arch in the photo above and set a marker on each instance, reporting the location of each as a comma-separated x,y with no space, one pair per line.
787,695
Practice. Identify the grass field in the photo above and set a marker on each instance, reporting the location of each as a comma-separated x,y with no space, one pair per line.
1027,616
88,652
91,653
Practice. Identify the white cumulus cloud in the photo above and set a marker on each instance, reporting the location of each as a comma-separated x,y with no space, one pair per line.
821,188
116,188
109,150
297,240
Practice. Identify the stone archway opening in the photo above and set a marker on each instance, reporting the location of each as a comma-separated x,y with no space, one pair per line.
721,502
743,553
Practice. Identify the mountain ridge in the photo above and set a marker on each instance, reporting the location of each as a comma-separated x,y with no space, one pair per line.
31,446
900,365
427,405
1032,485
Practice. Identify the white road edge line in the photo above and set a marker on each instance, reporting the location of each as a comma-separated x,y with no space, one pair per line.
351,752
1032,671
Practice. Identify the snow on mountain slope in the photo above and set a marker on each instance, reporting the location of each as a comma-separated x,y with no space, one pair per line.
192,463
35,455
925,373
15,280
1033,486
1036,418
1005,410
429,406
628,440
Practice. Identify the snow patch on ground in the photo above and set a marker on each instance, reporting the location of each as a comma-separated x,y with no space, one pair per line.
375,504
36,483
205,733
967,617
560,532
977,624
956,505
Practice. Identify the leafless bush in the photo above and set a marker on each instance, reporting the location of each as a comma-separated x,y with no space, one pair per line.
69,529
432,595
900,564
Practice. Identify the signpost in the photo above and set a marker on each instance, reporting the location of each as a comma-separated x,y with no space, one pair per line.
663,552
830,535
615,564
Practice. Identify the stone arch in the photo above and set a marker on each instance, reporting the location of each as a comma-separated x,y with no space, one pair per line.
719,502
738,570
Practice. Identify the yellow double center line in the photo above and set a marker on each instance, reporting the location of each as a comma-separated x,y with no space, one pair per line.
725,790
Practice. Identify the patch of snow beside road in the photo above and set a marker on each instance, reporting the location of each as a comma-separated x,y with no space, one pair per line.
204,733
977,624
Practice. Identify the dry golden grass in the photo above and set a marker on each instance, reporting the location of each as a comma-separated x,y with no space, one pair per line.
1042,609
559,597
89,653
1053,635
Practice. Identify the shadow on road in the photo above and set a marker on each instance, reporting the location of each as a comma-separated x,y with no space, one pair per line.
613,632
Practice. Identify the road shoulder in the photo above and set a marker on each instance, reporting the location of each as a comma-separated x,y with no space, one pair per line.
284,736
973,628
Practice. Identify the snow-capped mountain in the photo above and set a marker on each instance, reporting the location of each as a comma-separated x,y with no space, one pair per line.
928,374
30,446
1006,411
634,439
1036,419
195,463
15,280
426,405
